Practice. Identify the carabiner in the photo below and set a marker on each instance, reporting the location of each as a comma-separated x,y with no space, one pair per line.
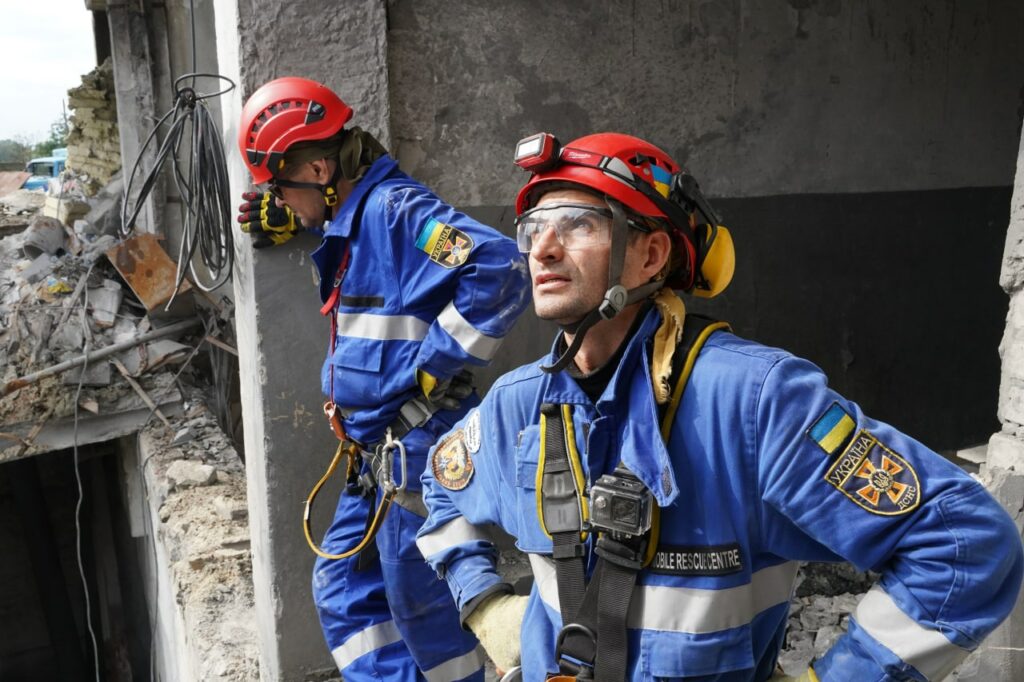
385,477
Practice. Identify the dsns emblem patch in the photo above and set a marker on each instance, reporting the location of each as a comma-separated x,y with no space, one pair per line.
451,464
875,477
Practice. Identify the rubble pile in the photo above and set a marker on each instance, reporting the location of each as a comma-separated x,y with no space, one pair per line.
196,493
826,594
93,144
62,298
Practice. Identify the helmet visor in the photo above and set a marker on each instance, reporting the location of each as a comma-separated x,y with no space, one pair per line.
577,226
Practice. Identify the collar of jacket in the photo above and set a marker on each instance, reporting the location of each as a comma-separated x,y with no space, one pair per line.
341,226
637,427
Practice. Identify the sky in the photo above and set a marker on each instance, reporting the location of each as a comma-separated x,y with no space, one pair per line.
47,47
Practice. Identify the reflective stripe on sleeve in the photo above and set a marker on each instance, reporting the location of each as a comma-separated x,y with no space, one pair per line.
382,327
455,532
688,609
926,649
456,668
473,341
363,642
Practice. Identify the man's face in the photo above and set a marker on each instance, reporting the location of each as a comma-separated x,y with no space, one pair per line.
306,204
567,284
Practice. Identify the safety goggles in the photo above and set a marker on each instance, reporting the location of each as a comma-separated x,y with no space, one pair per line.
275,185
577,226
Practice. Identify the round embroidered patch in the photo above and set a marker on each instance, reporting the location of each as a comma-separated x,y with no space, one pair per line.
451,464
473,431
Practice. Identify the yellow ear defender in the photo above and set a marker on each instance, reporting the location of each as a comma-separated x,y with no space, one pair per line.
719,262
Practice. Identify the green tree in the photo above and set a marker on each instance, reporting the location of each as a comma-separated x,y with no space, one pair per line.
15,151
59,130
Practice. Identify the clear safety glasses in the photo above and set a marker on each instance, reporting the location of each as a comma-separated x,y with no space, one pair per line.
577,226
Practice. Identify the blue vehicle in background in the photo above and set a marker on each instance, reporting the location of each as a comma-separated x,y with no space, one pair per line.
44,168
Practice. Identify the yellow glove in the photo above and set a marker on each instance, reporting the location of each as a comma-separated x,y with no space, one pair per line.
808,676
267,223
447,393
496,623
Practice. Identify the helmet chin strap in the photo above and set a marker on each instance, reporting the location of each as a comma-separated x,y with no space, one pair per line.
616,297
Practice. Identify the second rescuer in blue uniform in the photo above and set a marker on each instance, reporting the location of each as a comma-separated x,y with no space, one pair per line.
762,466
414,291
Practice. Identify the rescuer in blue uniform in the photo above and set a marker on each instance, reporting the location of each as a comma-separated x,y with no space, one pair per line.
415,291
680,473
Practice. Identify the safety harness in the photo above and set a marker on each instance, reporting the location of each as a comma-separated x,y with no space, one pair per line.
620,510
381,456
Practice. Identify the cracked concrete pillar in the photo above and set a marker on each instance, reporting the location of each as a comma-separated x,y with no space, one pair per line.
1001,656
281,336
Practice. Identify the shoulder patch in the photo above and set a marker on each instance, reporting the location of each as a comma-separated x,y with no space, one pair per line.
473,431
875,477
833,429
444,244
451,463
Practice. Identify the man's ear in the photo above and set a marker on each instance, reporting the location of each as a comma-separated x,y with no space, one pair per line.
659,249
322,170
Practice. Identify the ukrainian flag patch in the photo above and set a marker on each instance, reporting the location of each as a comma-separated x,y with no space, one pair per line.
833,429
444,244
662,179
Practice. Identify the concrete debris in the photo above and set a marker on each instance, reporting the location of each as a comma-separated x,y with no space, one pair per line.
204,530
95,375
39,268
22,201
64,209
44,235
104,302
185,473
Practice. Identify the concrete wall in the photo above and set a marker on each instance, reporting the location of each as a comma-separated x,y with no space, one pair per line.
281,335
862,153
828,131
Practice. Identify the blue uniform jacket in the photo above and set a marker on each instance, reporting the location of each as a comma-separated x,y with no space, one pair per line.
426,287
765,467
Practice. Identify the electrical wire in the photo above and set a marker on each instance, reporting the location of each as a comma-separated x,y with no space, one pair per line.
78,479
200,175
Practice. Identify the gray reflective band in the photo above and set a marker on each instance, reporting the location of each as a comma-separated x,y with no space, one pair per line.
474,342
382,327
688,609
362,643
927,650
451,534
456,668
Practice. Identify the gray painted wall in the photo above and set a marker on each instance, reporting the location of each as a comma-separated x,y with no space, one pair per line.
800,117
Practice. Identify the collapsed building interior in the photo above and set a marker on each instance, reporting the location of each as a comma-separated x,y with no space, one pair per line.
159,439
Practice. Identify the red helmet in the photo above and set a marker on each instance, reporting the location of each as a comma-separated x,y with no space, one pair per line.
614,162
281,113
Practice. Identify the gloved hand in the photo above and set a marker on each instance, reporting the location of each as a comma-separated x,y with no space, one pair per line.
448,393
808,676
265,222
496,623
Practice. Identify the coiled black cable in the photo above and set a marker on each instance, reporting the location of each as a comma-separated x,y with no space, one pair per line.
202,184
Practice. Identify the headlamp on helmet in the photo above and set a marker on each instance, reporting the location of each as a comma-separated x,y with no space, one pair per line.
537,153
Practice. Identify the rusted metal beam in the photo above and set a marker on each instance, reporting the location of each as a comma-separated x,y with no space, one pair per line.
28,379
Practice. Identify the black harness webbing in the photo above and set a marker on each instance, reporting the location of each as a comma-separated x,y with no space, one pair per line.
587,617
562,510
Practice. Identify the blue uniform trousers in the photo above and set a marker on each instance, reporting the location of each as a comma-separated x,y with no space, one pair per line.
392,619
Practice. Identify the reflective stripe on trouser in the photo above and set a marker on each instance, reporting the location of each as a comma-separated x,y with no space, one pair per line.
687,609
394,618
